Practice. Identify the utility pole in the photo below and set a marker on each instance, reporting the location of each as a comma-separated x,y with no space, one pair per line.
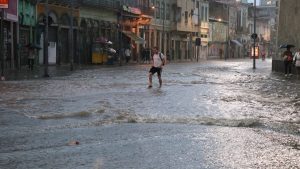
46,41
1,46
72,39
254,39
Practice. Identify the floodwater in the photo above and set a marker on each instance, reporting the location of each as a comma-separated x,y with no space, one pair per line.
211,114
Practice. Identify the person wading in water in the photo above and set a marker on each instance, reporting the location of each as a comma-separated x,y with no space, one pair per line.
158,61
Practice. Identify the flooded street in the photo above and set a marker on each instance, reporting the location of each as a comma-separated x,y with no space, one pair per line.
211,114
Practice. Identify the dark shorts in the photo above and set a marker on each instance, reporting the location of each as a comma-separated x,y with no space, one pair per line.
154,70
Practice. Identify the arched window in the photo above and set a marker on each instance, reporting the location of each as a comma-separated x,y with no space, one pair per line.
65,20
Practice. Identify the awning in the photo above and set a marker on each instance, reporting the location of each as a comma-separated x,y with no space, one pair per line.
134,37
145,20
237,43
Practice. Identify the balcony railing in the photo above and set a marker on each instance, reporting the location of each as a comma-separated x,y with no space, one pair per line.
111,4
101,4
76,3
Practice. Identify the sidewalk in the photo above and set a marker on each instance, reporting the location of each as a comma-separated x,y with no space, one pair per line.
53,71
37,73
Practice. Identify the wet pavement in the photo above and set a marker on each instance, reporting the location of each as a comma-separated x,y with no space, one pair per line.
211,114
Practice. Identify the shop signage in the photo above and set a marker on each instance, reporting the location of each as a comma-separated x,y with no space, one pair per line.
133,10
3,3
12,11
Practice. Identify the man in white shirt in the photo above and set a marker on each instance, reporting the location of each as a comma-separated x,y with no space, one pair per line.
158,61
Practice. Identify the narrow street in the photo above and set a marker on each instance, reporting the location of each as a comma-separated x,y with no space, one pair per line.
212,114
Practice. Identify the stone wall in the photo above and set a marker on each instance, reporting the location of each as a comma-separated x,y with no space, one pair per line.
288,29
289,25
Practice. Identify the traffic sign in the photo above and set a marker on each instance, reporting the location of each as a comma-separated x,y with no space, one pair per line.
254,36
3,3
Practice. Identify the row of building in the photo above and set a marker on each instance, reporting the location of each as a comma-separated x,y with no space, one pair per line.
173,25
287,29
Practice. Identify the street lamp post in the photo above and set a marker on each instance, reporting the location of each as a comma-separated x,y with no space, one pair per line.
46,41
72,39
120,29
1,46
121,51
254,39
163,33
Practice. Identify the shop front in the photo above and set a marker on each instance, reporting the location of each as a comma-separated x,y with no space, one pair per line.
59,34
95,25
9,42
131,21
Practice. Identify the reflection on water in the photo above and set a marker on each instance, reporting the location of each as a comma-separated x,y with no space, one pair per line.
216,90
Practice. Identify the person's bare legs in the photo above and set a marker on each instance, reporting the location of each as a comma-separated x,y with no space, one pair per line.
150,80
160,80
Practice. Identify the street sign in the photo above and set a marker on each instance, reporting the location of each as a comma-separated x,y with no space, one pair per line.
3,3
254,36
256,54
